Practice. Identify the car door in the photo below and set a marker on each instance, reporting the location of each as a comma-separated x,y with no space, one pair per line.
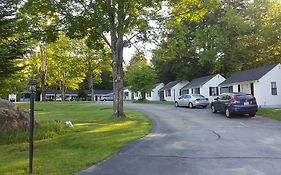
224,102
184,100
188,98
219,103
180,100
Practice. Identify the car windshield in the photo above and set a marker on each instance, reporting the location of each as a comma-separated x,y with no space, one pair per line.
198,95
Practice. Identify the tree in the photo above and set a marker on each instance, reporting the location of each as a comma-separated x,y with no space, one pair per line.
140,76
41,25
13,41
230,36
96,62
119,19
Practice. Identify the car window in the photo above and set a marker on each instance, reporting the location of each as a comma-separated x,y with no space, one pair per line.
198,95
227,97
244,97
188,96
220,97
223,97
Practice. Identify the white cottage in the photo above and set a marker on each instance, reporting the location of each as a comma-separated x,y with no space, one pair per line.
171,91
128,95
72,95
263,82
207,86
154,95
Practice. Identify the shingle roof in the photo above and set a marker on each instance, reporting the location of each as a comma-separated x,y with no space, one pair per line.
169,85
248,75
198,81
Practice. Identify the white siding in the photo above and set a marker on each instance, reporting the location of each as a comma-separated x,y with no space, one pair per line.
214,82
130,95
154,93
264,96
175,91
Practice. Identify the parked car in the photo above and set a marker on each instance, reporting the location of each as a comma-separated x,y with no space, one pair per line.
58,99
106,98
192,100
235,103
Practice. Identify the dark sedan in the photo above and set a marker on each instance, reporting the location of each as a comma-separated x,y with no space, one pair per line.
235,103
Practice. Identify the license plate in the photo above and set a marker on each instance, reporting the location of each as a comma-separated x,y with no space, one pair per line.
246,103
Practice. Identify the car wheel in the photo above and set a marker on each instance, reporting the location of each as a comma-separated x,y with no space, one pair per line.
190,105
176,104
227,113
213,109
252,114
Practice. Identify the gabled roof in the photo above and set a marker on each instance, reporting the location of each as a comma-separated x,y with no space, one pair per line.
248,75
198,81
102,91
169,85
155,85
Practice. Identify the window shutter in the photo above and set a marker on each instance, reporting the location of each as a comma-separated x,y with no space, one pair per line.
210,91
217,90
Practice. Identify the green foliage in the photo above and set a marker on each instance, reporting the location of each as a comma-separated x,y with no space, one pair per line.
95,137
228,36
13,40
46,131
141,77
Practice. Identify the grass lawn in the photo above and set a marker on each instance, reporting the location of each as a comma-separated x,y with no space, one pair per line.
153,102
96,136
270,113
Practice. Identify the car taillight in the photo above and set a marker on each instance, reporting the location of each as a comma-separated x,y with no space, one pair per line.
197,100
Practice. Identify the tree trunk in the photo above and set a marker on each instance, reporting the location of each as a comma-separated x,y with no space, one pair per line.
43,70
43,86
143,95
116,24
117,67
90,81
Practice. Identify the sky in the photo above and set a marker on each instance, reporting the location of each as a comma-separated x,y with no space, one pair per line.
129,52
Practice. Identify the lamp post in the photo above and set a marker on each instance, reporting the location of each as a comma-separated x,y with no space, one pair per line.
31,89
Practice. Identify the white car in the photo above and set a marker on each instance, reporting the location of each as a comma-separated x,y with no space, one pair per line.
106,98
192,100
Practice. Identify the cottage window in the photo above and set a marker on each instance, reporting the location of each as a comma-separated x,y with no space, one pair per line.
213,91
149,94
228,89
273,88
168,93
197,90
126,94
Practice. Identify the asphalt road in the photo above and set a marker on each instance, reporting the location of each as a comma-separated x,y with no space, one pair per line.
197,142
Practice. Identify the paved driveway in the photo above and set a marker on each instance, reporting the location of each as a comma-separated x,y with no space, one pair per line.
195,141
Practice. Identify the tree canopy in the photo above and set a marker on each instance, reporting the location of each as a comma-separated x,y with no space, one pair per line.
230,36
140,76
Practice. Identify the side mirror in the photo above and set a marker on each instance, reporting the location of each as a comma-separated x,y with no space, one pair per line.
217,98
